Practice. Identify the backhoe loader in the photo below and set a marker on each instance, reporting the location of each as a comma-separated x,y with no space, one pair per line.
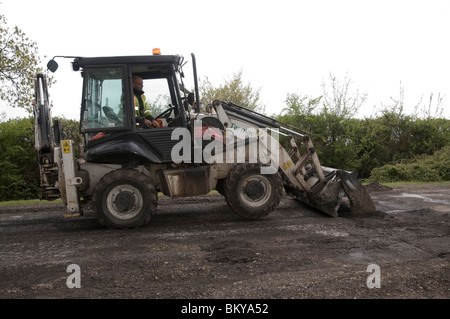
222,146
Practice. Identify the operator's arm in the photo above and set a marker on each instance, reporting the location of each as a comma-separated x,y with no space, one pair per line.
149,119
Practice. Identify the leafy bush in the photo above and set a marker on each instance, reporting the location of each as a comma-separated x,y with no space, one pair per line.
19,165
424,168
19,168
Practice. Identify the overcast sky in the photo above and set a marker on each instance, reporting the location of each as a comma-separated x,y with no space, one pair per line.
283,46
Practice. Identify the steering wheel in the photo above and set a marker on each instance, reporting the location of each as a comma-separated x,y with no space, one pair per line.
166,113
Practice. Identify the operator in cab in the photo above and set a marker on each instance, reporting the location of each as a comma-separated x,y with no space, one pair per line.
144,118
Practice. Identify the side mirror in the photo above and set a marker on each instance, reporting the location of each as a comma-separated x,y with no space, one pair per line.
52,66
75,65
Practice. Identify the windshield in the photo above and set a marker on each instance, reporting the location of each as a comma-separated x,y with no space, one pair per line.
103,99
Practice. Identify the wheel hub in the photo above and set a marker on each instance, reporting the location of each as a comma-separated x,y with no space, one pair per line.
254,190
124,201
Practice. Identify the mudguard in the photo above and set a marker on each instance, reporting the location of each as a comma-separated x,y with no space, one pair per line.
126,149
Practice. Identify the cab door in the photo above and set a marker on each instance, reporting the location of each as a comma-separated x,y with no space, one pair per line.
163,97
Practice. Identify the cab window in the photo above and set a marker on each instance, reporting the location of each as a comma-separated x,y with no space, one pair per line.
158,95
103,100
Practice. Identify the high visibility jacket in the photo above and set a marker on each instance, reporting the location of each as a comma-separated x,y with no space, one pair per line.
142,110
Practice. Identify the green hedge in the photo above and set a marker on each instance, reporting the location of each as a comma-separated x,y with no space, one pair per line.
390,147
424,168
362,145
19,165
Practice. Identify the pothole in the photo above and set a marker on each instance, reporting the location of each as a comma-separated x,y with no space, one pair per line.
230,251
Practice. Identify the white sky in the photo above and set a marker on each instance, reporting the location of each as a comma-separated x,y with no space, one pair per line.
284,46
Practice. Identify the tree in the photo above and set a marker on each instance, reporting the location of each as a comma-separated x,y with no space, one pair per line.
19,62
233,90
298,105
342,102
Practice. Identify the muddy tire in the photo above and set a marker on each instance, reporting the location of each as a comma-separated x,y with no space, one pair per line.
249,193
124,198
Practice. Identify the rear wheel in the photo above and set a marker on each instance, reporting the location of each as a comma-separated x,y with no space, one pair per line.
124,198
251,194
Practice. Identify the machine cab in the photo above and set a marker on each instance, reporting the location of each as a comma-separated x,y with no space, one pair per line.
110,109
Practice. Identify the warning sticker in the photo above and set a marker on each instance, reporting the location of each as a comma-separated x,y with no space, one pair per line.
66,147
287,165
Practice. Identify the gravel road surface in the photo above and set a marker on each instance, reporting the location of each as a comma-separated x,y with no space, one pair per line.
196,248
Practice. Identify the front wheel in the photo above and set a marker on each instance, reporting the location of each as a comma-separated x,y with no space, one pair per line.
251,194
124,198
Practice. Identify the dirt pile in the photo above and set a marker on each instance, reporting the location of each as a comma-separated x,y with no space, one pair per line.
377,187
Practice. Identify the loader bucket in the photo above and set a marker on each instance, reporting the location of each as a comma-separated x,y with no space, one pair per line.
328,196
360,201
